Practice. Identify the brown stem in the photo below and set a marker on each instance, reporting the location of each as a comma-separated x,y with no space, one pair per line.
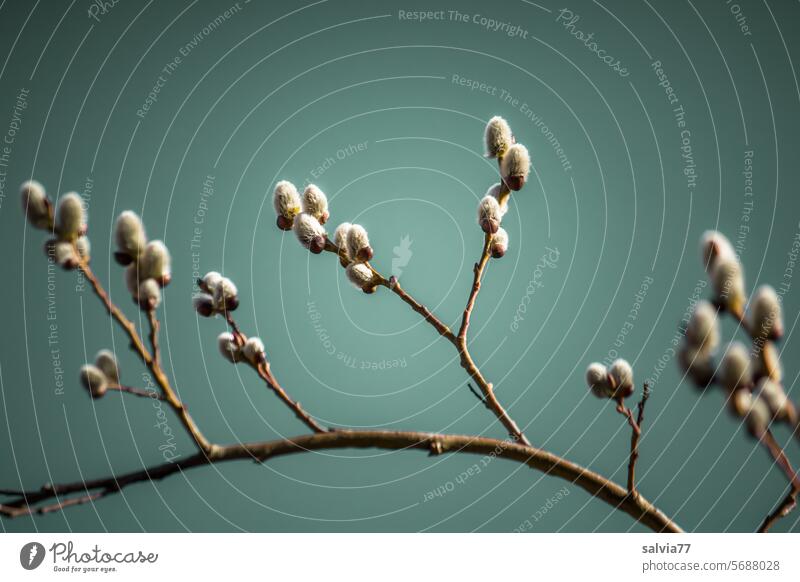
151,362
138,392
776,451
265,373
394,286
596,485
636,435
155,326
784,509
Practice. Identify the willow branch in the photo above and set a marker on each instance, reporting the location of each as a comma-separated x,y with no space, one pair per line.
264,372
596,485
152,363
394,286
155,326
785,508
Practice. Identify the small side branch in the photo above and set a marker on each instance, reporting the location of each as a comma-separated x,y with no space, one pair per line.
636,435
138,392
784,509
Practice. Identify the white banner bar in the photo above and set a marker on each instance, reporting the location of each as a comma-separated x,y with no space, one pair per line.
389,557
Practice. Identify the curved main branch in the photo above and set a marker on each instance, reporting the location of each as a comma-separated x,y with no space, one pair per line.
596,485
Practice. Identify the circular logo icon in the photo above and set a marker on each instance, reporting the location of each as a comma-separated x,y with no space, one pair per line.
31,555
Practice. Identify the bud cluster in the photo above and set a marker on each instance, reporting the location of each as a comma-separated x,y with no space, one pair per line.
514,163
101,375
752,377
70,245
148,264
615,382
234,349
218,294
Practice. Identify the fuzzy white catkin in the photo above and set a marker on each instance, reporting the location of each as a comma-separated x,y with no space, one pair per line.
149,294
622,374
779,404
209,282
228,347
315,203
70,219
516,162
156,262
84,248
702,331
129,234
307,228
728,281
64,254
697,364
132,280
253,350
359,275
734,369
495,192
35,204
757,415
226,295
499,243
204,304
107,363
286,199
597,380
497,137
766,316
94,380
340,238
489,214
715,246
358,247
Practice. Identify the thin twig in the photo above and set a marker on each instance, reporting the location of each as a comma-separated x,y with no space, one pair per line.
636,436
138,392
155,326
264,372
785,508
596,485
777,453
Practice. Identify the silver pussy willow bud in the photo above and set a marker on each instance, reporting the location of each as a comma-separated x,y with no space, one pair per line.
767,363
734,369
130,237
62,253
226,296
498,137
208,282
489,214
204,304
286,201
728,281
38,208
496,192
598,381
156,263
94,380
715,246
310,233
149,295
340,240
766,315
84,248
621,374
228,347
70,218
515,166
697,364
358,247
772,393
315,203
702,331
106,361
361,276
754,410
499,243
254,352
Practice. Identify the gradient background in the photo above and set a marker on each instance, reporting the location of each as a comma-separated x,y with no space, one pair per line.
272,93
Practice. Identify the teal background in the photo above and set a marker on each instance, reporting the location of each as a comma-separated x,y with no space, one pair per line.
274,91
